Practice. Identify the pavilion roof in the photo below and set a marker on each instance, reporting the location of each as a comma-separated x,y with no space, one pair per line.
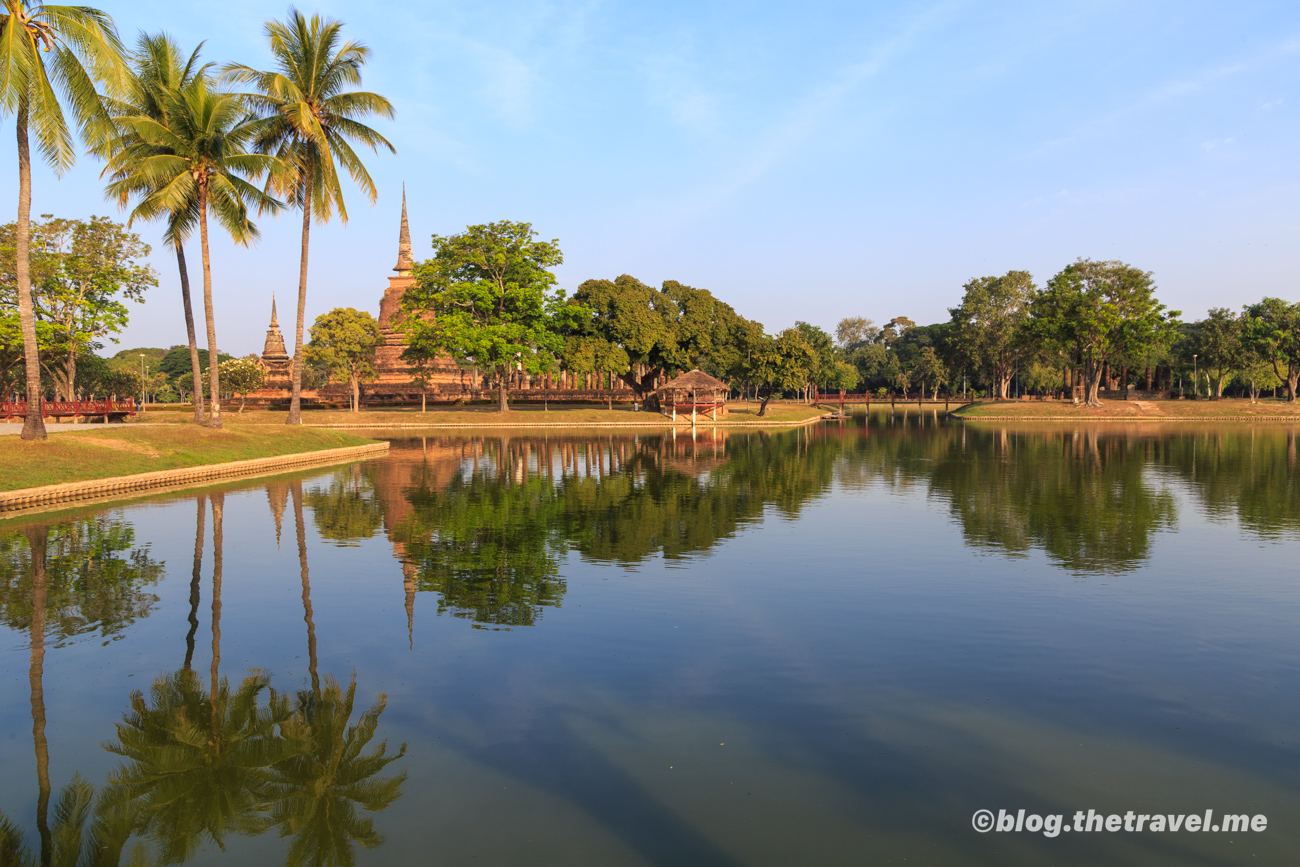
696,379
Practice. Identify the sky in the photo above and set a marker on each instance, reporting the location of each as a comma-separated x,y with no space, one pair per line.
802,161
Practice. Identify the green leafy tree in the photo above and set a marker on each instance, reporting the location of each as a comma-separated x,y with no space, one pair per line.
823,355
242,375
989,325
344,341
1217,342
779,364
929,370
629,329
1093,312
82,273
311,119
197,157
642,333
1272,332
81,47
843,377
855,331
490,294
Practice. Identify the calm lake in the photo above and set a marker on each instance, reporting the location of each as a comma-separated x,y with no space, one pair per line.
831,645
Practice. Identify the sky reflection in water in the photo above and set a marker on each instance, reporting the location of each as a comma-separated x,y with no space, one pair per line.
824,645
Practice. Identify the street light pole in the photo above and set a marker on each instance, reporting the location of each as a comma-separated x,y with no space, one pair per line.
142,394
1196,379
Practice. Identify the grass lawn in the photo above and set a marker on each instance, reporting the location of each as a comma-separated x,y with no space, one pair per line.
520,415
125,450
1133,409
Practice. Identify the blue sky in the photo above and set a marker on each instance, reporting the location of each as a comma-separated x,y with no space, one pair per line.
802,161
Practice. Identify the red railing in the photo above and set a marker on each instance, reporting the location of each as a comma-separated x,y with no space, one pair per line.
71,408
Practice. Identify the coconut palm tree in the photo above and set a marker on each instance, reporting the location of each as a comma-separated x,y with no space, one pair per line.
199,158
48,52
311,120
158,70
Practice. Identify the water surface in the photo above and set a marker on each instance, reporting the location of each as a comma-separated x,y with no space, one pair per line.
829,645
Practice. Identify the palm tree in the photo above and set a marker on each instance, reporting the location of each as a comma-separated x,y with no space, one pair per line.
84,47
311,117
198,159
158,70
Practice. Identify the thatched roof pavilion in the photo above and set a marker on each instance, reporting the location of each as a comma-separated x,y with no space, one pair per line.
696,391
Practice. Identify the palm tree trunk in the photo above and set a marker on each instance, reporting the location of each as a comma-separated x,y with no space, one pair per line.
296,490
214,360
194,584
33,423
189,332
218,503
37,539
295,402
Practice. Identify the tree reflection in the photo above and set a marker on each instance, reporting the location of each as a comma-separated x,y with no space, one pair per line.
487,548
1081,496
66,579
485,523
347,511
1249,474
96,578
314,794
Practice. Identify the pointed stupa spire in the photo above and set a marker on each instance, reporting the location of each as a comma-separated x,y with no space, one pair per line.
275,323
405,262
408,584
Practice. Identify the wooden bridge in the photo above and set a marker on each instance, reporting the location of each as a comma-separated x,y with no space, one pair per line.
109,410
841,400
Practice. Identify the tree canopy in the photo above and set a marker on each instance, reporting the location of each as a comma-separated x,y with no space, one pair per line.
487,298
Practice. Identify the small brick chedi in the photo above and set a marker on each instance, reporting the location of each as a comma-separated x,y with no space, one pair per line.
393,383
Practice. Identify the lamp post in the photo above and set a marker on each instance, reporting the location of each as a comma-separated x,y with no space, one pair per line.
142,395
1196,379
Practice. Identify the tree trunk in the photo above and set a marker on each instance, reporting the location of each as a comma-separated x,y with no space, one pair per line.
296,490
1092,375
194,584
37,540
423,400
69,384
214,378
196,374
355,384
762,407
33,423
501,392
218,506
295,401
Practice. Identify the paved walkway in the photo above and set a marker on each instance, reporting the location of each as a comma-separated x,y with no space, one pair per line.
17,426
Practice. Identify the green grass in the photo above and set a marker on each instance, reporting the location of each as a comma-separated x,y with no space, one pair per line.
1133,409
520,415
122,451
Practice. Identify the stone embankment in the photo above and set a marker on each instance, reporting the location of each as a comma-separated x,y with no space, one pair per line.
26,498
